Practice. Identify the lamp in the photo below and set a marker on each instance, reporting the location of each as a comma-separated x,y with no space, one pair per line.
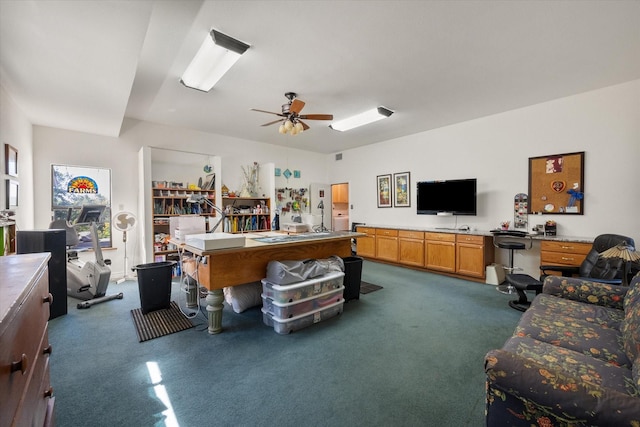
199,199
291,125
625,252
321,207
215,57
361,119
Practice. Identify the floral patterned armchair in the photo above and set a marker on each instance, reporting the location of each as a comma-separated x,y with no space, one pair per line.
573,360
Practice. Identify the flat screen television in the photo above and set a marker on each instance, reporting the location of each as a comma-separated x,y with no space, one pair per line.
449,197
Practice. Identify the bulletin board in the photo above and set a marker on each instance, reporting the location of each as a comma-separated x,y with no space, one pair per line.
556,184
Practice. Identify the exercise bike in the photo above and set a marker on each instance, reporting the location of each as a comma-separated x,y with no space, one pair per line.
86,280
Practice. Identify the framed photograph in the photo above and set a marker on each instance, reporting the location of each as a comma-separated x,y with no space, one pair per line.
10,160
401,195
384,191
556,184
11,194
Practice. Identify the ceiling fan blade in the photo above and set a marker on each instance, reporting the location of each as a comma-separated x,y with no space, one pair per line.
317,116
296,106
268,112
275,121
304,125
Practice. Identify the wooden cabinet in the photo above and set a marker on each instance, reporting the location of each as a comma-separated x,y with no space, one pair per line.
243,214
340,193
387,244
440,251
27,395
563,253
170,202
473,254
366,245
411,247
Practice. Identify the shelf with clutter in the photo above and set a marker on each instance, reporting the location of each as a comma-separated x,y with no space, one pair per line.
246,214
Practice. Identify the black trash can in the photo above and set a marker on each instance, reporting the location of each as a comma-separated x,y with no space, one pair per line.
154,285
352,277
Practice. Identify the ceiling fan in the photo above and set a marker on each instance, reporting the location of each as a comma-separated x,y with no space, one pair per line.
291,118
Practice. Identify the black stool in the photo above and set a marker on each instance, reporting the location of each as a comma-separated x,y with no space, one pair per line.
502,240
522,283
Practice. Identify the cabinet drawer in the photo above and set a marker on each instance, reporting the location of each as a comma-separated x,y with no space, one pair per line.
410,234
567,247
440,237
475,240
366,230
386,232
559,258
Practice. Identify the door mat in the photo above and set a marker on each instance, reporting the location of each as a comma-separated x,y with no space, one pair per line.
366,288
160,322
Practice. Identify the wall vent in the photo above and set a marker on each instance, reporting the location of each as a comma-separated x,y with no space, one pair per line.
339,156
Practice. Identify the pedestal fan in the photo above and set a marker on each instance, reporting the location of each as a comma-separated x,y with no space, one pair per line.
124,221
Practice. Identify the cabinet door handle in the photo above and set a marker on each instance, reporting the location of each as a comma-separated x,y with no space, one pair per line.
564,258
48,298
47,350
567,247
20,365
48,392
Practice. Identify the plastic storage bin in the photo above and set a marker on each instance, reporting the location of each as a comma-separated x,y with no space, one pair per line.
296,308
301,290
352,277
154,285
286,326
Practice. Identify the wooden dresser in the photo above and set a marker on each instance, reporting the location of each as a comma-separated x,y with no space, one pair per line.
26,395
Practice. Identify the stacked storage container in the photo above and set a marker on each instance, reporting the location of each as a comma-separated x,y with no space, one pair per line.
297,305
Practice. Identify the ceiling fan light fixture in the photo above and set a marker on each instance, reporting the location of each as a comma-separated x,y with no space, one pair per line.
215,57
361,119
281,129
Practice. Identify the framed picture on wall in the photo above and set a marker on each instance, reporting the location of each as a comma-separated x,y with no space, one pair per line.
384,191
556,184
10,160
11,194
401,195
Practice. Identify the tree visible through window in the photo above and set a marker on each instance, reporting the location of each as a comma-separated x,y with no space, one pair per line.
75,186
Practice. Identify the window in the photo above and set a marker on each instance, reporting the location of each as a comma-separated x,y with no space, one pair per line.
75,186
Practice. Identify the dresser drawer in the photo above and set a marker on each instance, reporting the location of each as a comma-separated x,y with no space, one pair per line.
411,234
33,405
440,237
475,240
20,345
566,247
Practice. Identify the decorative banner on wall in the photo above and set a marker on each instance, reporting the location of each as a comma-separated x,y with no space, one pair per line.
82,185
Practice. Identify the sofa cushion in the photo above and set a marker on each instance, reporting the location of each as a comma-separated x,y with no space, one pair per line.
604,316
574,334
630,327
603,294
567,369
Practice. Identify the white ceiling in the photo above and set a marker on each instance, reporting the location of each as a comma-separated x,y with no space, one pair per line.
88,65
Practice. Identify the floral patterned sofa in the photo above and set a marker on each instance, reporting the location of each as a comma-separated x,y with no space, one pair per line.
573,360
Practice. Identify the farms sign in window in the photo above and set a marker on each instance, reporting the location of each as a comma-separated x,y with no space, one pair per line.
75,186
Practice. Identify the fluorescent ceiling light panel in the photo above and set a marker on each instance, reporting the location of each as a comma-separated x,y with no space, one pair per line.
365,118
215,57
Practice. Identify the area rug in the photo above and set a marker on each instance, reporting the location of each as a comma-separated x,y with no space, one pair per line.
366,288
160,322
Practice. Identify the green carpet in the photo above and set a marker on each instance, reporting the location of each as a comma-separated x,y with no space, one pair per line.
411,355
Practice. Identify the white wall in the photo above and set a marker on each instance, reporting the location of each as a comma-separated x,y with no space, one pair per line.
15,130
58,146
604,123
